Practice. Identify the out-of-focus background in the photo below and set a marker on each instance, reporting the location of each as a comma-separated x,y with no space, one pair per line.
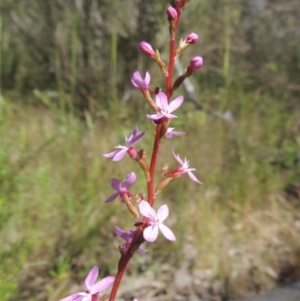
66,98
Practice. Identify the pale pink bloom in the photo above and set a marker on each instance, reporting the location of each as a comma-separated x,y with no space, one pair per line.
121,150
170,132
195,64
121,188
183,169
192,38
92,289
172,13
165,107
138,82
155,222
147,49
127,236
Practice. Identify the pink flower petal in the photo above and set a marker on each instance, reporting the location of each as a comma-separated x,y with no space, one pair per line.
170,133
162,101
112,197
177,157
175,104
130,179
168,234
120,155
134,137
147,210
151,233
193,177
155,116
142,250
163,213
112,154
136,79
74,297
147,78
115,184
91,277
171,116
102,285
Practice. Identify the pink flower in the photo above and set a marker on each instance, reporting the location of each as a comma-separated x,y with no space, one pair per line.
138,82
183,169
118,154
92,288
192,38
147,49
195,64
128,236
165,107
155,222
172,13
170,133
121,188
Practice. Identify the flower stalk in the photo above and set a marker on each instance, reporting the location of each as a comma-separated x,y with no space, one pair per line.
148,227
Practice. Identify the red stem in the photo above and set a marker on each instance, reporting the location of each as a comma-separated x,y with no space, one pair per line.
139,232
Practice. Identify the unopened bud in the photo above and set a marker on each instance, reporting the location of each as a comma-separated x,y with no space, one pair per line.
192,38
147,49
172,13
195,64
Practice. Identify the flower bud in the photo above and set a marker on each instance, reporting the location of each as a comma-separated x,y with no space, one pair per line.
195,64
192,38
147,49
172,13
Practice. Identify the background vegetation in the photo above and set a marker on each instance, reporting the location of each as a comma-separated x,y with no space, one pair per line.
66,99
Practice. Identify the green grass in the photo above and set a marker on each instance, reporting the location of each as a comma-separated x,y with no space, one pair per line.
54,180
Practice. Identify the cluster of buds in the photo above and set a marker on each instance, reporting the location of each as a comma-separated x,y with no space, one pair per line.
147,221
